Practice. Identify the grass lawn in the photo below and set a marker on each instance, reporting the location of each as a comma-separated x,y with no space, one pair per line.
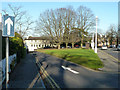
84,57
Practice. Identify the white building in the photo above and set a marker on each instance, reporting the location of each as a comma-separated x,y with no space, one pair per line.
33,43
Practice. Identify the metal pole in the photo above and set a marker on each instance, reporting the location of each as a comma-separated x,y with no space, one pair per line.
7,61
0,50
0,36
96,36
93,41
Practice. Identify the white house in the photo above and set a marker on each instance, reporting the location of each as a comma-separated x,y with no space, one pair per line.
33,43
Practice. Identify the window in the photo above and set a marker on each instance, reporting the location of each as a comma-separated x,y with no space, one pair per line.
34,45
39,45
31,45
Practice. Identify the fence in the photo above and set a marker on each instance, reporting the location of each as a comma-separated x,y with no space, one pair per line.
3,67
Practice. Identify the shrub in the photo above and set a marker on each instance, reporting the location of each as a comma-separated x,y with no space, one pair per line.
16,45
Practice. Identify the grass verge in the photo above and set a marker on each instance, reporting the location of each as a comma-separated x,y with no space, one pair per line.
84,57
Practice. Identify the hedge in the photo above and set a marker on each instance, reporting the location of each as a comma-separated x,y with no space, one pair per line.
16,45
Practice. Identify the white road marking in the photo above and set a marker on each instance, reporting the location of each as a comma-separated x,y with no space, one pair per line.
67,68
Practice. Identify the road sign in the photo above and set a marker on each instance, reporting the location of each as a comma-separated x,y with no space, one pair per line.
8,26
8,31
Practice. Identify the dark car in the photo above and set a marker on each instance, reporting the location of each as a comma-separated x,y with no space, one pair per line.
111,46
77,46
47,47
34,54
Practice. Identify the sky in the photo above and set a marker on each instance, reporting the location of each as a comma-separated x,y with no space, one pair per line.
107,12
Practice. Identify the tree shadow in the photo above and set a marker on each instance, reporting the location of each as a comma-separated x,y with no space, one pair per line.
86,78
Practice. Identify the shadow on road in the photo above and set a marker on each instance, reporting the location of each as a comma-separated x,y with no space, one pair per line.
85,78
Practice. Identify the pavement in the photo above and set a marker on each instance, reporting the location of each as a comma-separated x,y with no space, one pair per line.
26,75
110,62
70,75
113,52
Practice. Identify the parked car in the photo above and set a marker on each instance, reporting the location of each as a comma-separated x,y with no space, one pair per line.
62,47
114,46
77,46
104,47
34,54
118,47
47,47
68,46
111,46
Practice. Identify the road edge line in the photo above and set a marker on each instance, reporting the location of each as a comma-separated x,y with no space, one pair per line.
47,76
109,55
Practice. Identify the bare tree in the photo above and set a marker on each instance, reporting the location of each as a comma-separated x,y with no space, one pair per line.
112,34
69,23
85,21
61,24
58,25
74,37
22,21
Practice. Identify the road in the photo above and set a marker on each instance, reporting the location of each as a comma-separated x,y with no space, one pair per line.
70,75
113,52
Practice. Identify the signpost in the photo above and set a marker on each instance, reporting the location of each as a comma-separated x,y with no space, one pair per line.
0,36
8,31
0,50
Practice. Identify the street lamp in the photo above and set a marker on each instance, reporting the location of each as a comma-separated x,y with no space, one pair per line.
96,36
93,41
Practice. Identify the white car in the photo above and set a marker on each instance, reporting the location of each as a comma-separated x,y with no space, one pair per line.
104,47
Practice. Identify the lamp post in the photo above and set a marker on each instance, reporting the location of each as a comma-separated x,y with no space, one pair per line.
96,36
93,41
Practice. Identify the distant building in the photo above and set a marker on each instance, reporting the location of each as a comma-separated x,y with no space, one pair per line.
33,43
102,40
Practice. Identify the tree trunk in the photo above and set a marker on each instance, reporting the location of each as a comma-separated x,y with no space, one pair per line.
73,45
66,45
58,46
82,42
81,45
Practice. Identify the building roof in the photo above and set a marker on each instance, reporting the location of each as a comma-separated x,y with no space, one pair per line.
37,38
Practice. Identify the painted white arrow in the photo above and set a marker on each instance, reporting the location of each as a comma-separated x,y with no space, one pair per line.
8,22
67,68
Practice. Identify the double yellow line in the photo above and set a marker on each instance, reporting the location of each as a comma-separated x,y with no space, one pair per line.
52,83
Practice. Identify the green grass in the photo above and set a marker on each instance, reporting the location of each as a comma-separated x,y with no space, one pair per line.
84,57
